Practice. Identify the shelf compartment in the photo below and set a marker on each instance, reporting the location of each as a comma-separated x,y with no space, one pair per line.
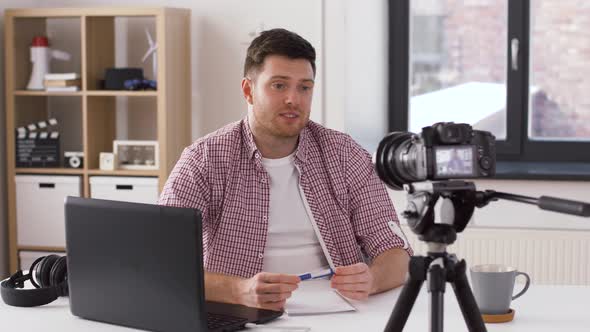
121,117
64,35
67,111
26,170
107,39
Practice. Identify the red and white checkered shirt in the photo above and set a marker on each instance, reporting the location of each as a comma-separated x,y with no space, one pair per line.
222,175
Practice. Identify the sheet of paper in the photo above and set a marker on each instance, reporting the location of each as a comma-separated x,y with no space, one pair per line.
314,297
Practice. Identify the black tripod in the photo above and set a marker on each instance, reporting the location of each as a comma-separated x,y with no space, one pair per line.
440,267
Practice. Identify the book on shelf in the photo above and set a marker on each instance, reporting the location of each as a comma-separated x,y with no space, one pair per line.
62,76
62,88
62,83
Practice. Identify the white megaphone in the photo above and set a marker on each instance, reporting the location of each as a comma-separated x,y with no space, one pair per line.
41,56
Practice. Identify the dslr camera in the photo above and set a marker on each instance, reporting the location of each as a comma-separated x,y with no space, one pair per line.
445,150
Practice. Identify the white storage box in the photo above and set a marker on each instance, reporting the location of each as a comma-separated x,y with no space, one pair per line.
27,258
40,208
128,189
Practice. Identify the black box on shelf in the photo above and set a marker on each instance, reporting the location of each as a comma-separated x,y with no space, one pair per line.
114,78
37,149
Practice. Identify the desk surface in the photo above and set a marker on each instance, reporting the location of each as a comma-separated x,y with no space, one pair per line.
542,308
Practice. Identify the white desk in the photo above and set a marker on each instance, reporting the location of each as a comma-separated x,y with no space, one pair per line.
542,308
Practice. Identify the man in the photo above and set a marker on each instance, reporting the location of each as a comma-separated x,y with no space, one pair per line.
281,195
456,164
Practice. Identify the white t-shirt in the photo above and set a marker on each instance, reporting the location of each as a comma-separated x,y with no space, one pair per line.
292,245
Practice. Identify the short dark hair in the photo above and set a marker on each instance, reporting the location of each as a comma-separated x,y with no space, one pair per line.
278,42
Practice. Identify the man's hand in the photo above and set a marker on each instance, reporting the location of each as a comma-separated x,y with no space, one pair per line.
353,281
267,290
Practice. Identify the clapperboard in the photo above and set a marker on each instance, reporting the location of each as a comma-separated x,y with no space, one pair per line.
37,145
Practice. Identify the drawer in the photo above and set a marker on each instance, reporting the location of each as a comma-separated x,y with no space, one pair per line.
128,189
40,219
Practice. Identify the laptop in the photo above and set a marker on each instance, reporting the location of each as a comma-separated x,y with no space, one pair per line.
141,266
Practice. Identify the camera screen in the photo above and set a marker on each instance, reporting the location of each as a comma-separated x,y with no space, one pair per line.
454,161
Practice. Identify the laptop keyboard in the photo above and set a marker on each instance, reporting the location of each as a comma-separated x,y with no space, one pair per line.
218,321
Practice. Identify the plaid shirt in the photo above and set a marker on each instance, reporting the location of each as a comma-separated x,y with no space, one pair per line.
222,175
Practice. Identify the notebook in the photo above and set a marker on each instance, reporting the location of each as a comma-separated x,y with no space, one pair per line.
316,297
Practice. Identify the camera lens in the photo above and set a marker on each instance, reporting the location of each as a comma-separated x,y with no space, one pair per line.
399,160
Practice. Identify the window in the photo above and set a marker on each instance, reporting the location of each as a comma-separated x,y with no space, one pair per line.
516,68
559,99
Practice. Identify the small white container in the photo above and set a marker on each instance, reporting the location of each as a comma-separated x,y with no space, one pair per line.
128,189
40,217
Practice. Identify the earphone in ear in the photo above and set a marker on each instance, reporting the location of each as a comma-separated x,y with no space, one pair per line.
49,275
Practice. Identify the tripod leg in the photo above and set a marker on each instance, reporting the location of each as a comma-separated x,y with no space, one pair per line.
436,288
405,302
466,300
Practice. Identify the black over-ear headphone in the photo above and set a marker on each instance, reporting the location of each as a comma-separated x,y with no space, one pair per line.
49,275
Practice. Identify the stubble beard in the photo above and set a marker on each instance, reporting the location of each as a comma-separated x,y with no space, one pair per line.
287,131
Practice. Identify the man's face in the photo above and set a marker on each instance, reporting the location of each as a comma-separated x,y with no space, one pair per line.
280,93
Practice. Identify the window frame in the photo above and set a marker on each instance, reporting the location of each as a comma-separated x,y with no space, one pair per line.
517,156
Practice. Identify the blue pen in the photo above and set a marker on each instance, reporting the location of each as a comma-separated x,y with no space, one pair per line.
316,275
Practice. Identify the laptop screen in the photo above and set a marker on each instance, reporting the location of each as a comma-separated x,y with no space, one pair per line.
136,265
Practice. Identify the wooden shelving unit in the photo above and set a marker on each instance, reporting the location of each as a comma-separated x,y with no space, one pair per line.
96,50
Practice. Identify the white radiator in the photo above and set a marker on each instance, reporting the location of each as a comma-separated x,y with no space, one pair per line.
548,256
